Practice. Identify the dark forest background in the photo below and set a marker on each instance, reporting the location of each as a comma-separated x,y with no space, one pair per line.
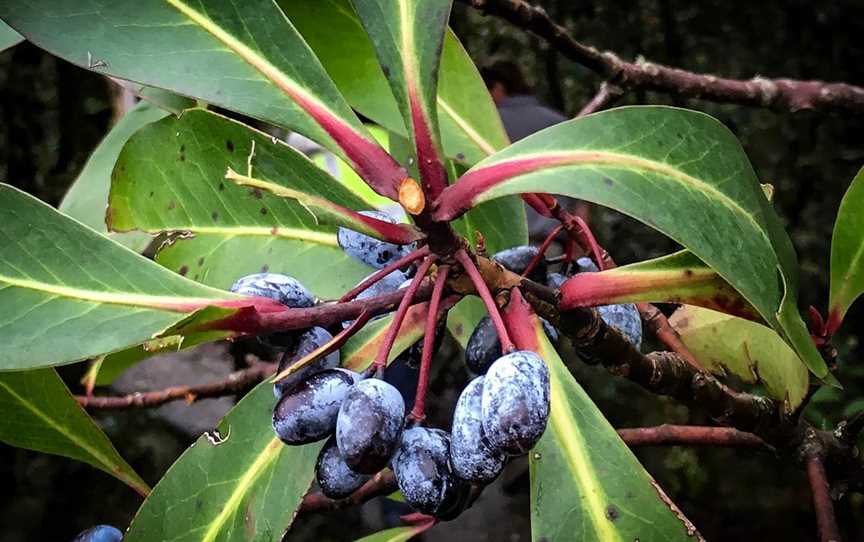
53,114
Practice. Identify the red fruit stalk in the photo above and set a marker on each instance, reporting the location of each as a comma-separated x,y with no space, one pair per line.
418,413
483,291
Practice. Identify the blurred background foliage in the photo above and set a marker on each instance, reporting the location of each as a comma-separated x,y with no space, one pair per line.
53,114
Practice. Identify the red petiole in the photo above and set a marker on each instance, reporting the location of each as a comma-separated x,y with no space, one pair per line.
418,413
483,291
377,276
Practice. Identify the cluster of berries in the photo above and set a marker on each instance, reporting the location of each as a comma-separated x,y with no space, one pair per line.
501,413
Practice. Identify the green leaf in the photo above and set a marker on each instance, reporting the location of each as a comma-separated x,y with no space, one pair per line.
87,199
463,318
248,487
585,480
676,278
682,173
470,126
8,37
171,177
69,293
408,37
847,253
244,56
40,414
396,534
754,353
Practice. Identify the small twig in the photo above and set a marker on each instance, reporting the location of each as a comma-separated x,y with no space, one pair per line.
825,518
778,94
606,96
418,413
541,251
390,337
665,333
483,291
235,383
688,435
378,275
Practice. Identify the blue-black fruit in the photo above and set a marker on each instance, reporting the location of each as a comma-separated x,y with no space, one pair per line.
307,343
515,402
283,289
369,250
624,317
516,259
369,425
473,458
100,533
389,283
424,473
337,481
308,412
484,347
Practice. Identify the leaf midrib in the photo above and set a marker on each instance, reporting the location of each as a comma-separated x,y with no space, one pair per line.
265,459
138,485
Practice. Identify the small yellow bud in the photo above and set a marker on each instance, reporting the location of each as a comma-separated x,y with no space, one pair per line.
411,196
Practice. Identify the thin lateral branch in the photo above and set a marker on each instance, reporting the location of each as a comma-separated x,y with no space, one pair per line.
665,333
418,413
690,435
606,95
236,382
483,291
825,518
778,94
390,337
380,274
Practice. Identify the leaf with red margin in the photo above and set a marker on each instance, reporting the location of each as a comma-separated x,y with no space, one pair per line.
243,56
69,293
676,278
408,37
847,253
679,171
327,212
584,479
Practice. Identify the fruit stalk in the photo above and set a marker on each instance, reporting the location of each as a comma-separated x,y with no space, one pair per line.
393,330
483,291
418,413
377,276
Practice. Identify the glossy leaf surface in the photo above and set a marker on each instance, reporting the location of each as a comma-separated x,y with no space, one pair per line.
244,56
87,198
171,176
40,414
727,345
847,252
679,171
69,293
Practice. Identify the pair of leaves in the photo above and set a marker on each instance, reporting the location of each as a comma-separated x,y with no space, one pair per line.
682,173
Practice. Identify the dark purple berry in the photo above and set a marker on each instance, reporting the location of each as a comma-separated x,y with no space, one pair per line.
283,289
369,425
555,280
100,533
472,457
484,347
337,481
308,412
308,342
389,283
369,250
424,473
516,259
515,402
